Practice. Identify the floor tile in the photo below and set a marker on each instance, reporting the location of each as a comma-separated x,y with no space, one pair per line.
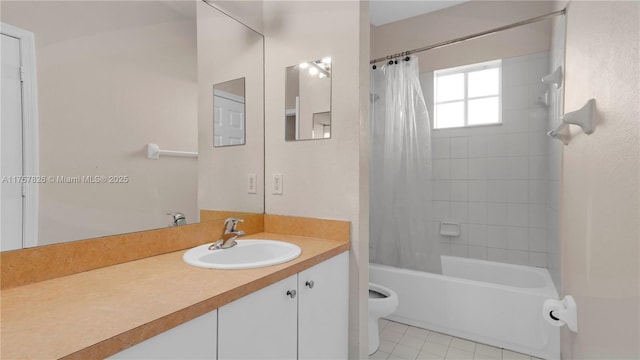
391,335
417,332
435,348
405,352
386,346
489,351
463,344
428,356
439,338
458,354
411,341
397,327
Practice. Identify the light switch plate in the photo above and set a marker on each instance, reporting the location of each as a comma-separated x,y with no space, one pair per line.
252,186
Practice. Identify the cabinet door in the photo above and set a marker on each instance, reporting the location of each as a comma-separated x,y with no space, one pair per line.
261,325
195,339
323,310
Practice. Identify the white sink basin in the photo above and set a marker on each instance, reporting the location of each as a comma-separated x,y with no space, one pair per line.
247,254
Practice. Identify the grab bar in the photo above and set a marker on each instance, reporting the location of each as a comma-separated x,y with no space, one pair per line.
154,152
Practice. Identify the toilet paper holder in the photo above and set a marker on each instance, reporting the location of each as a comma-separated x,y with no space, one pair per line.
561,312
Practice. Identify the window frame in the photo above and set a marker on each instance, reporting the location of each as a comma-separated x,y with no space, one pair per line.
465,70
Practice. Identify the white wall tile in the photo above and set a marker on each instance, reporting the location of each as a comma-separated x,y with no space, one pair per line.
440,148
539,191
517,238
440,210
538,239
459,190
518,191
538,259
515,97
459,211
538,143
477,235
459,169
477,189
441,169
477,168
459,147
477,146
497,190
478,212
538,215
518,257
441,190
497,236
497,168
518,168
499,255
517,144
515,120
538,119
478,252
459,250
518,215
538,167
496,145
497,214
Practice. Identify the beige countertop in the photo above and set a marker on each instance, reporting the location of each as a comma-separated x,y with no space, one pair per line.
97,313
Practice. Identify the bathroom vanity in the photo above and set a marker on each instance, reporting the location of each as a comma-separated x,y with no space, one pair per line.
159,307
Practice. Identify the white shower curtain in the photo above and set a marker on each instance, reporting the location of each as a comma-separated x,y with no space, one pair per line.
400,173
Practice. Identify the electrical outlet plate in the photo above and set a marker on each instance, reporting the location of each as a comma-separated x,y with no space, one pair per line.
277,184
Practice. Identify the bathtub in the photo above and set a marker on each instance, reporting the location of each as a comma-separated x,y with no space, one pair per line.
484,301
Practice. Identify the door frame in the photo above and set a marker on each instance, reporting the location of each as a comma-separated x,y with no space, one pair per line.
30,146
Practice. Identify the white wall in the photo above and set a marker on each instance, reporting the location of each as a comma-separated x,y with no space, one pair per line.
600,206
112,77
322,178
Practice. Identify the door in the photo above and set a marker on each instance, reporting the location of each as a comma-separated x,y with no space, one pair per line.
18,140
228,126
11,154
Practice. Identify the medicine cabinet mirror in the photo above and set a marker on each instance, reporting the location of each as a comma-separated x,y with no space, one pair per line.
228,113
308,100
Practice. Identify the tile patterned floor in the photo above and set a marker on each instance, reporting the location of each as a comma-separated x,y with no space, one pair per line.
403,342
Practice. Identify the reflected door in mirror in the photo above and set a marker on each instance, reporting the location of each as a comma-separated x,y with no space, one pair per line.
228,113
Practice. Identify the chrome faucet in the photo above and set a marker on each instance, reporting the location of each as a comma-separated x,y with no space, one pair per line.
229,236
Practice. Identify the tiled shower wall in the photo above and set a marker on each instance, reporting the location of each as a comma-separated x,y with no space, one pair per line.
495,180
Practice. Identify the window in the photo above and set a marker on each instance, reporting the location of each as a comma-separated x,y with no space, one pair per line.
468,95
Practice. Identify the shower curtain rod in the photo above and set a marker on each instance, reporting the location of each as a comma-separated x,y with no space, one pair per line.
472,36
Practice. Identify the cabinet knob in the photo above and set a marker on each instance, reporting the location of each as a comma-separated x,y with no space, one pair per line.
310,284
291,293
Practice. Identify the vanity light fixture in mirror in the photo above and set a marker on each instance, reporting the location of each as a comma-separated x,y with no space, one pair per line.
228,113
308,100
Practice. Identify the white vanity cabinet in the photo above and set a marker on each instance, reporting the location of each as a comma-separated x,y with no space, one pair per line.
323,310
273,324
195,339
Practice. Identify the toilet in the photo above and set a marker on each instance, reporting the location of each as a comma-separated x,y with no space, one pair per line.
382,302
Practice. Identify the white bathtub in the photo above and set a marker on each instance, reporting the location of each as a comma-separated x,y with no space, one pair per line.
488,302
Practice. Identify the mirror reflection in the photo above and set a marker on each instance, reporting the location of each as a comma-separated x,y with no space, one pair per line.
308,100
104,87
228,113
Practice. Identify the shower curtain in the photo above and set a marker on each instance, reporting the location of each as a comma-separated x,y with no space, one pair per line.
400,171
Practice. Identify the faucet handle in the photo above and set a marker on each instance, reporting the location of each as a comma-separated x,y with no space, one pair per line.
230,224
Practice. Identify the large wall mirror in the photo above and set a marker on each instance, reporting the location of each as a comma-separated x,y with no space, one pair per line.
308,100
109,78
